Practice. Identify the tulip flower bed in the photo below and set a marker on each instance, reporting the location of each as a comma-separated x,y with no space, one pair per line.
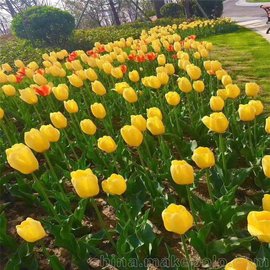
138,153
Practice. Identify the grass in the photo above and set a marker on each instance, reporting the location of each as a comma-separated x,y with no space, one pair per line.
246,55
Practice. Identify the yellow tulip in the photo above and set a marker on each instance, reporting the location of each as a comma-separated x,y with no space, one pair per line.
19,64
75,80
130,95
266,165
88,127
2,113
259,224
58,120
203,157
246,112
71,106
198,86
233,91
98,110
222,93
9,90
220,73
31,230
154,82
182,173
155,125
39,79
98,88
81,74
85,183
134,76
267,125
22,159
216,103
172,98
161,59
215,65
138,121
132,135
184,85
154,111
120,87
61,92
177,219
91,74
11,78
117,73
51,133
226,79
252,89
207,64
258,105
6,67
216,122
33,65
266,202
3,77
107,144
107,67
29,96
114,185
170,68
36,140
163,78
240,264
193,72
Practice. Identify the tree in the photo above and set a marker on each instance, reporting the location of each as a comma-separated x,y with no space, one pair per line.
157,5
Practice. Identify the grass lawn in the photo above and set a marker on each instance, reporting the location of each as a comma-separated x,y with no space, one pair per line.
246,55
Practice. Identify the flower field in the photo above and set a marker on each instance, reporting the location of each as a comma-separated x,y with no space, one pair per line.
138,153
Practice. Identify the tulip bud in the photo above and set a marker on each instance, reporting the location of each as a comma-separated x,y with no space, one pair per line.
172,98
51,133
138,121
252,89
240,264
3,77
31,230
33,65
6,67
9,90
182,173
177,219
98,110
29,96
75,80
88,127
215,65
267,125
134,76
198,86
19,64
130,95
71,106
216,122
11,78
131,135
58,120
2,113
207,64
85,183
98,88
117,73
119,87
203,157
222,93
233,91
246,112
266,165
226,79
163,78
114,185
170,68
259,224
154,81
22,159
184,85
107,144
216,103
61,92
155,125
39,79
91,74
154,111
220,73
258,105
193,72
36,140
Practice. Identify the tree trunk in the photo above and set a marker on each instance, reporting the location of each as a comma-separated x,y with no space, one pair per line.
114,12
11,9
187,7
157,5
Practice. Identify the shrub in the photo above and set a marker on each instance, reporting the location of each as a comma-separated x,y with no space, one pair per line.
213,8
172,10
44,24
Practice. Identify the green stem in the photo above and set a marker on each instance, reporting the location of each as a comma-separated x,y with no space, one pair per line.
101,221
6,132
250,139
186,252
191,205
209,186
221,147
41,190
70,143
38,115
